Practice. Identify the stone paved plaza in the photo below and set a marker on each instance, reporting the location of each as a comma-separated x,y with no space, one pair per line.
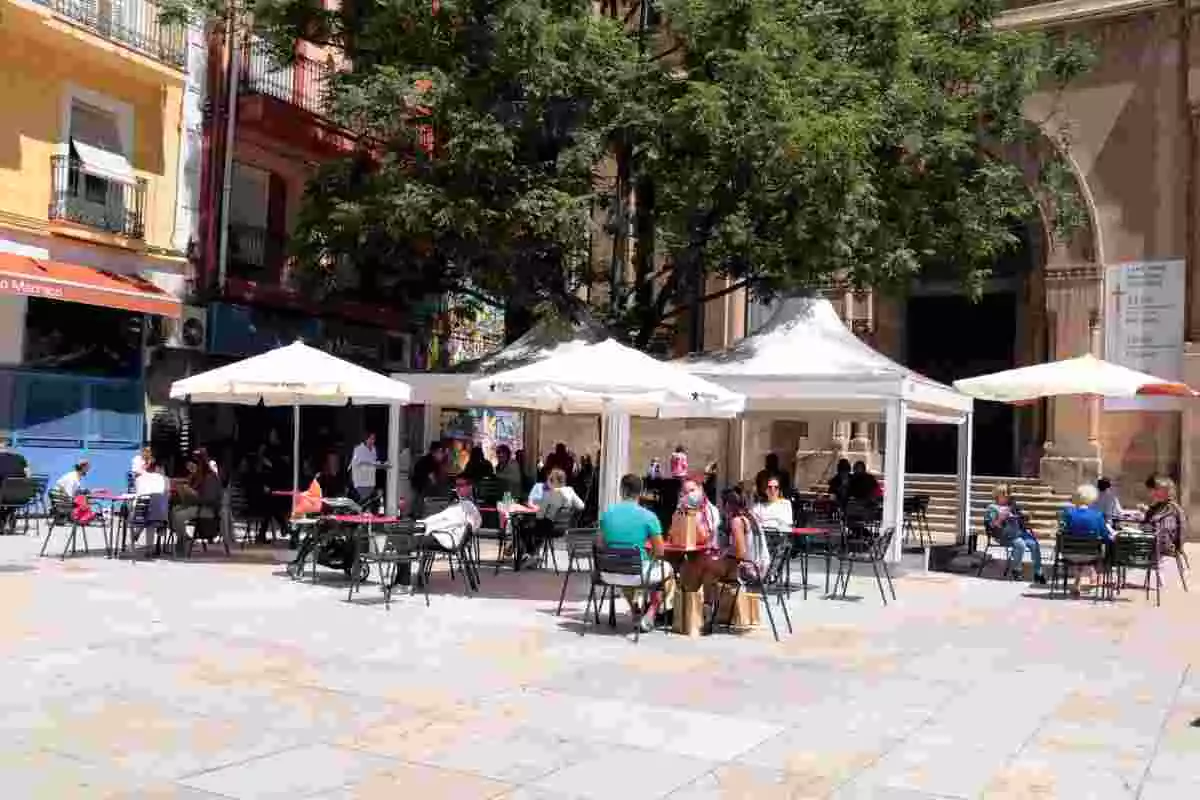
210,679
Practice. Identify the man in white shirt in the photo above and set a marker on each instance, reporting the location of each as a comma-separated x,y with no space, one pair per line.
70,483
363,463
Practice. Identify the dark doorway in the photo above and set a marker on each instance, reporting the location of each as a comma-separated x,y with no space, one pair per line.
952,337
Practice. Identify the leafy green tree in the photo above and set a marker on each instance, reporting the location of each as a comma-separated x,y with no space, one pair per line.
776,143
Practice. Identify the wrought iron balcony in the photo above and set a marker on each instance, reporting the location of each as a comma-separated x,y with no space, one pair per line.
303,83
94,201
255,253
133,23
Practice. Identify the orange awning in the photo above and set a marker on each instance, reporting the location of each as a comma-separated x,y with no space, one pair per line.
74,283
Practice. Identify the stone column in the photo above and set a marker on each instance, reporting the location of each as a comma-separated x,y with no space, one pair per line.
1074,303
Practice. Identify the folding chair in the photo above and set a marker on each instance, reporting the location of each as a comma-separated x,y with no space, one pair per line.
388,547
617,568
766,584
871,549
581,542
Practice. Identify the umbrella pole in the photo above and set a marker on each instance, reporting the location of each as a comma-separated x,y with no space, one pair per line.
295,447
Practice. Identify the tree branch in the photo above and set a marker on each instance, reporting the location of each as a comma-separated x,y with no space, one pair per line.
706,299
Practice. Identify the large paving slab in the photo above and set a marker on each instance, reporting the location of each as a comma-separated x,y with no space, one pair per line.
219,679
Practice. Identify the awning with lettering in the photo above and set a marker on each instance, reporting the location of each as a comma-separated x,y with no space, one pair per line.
75,283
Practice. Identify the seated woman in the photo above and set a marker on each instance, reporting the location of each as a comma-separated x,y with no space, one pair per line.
1083,519
693,498
775,513
559,502
743,545
1167,516
1004,521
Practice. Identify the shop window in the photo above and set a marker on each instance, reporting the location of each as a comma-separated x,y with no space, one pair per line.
85,340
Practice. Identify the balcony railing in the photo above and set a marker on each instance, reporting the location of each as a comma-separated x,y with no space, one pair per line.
133,23
255,253
94,201
303,83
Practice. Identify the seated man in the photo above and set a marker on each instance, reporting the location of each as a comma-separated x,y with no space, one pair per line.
627,524
1005,522
447,528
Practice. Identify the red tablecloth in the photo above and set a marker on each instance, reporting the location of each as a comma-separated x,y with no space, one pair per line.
363,519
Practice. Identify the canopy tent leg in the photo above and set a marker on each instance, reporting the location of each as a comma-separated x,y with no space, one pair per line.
893,475
395,421
295,448
966,439
614,456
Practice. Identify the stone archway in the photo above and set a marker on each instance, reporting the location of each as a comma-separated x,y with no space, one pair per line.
1071,304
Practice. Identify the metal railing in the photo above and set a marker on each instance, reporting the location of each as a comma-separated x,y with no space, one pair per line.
303,83
255,253
96,201
133,23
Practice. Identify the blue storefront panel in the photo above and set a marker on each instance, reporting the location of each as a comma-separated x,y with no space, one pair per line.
56,418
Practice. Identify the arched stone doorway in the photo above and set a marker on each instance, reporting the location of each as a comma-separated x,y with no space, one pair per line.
1043,302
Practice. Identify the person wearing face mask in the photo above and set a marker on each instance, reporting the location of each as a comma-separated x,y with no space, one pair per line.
692,498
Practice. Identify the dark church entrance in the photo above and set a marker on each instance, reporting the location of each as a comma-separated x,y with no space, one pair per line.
951,336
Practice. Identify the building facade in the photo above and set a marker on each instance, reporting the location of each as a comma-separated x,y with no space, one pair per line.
93,174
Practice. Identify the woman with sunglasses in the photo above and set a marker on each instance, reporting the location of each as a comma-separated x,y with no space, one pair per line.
775,512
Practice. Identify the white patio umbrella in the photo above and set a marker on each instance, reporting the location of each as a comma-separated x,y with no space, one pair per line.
1085,375
613,380
294,375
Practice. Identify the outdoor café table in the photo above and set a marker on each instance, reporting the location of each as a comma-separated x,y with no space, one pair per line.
367,520
507,514
109,523
806,537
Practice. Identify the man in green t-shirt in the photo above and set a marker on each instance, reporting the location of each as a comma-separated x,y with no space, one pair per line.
627,524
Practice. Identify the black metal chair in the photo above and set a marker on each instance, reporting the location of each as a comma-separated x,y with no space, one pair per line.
581,543
550,531
993,539
1078,552
389,547
916,519
616,568
62,514
39,504
766,584
207,529
16,492
870,549
463,553
824,514
139,523
1137,552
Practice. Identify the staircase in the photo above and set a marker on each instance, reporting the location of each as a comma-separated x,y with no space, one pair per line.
1038,500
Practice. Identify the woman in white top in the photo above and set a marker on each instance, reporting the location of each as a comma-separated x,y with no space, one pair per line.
138,465
558,498
776,513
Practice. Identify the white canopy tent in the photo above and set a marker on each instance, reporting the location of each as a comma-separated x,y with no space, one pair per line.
1085,375
614,381
805,358
449,388
295,375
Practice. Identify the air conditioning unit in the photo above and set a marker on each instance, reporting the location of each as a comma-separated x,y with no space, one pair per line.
189,332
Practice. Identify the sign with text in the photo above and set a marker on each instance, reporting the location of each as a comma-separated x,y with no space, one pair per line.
1144,311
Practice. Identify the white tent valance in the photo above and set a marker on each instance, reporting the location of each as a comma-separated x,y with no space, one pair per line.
805,359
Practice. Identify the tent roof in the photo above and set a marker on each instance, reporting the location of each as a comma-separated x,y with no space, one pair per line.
449,388
805,358
581,378
1085,375
293,375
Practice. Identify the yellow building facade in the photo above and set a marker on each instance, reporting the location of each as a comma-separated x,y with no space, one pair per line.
92,239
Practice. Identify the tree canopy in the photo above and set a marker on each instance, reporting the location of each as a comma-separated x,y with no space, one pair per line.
776,143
